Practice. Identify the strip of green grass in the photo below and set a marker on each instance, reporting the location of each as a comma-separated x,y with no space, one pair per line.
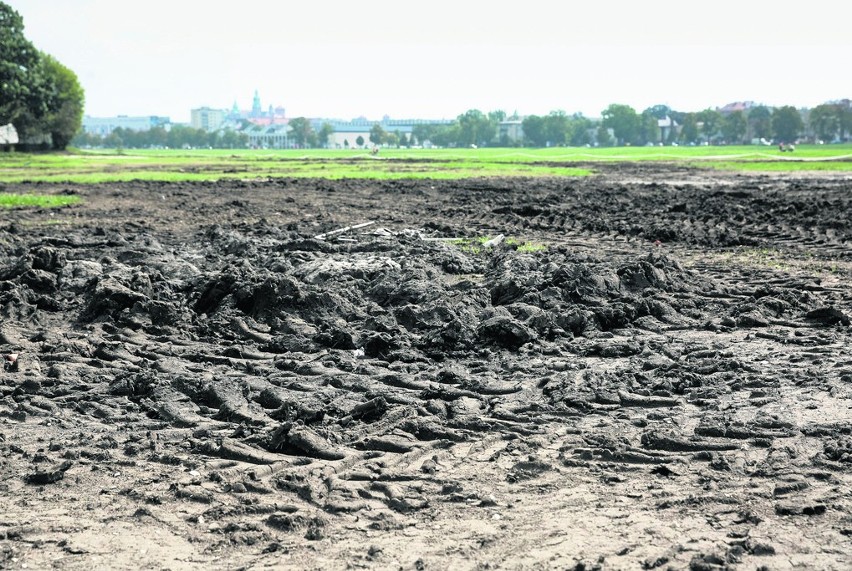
195,166
780,166
36,200
205,165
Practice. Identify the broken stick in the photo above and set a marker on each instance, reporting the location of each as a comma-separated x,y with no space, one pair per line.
342,230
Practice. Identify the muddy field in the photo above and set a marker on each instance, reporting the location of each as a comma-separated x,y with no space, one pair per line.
193,379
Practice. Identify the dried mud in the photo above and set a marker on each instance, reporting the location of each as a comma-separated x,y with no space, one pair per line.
194,380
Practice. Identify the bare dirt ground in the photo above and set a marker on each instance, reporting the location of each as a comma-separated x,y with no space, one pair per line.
200,383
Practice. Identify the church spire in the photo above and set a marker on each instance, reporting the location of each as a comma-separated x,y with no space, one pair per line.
255,106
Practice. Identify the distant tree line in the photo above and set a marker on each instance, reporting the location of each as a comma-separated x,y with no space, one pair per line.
712,126
177,137
622,125
41,97
619,125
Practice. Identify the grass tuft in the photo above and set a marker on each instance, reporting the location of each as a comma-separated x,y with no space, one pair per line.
475,245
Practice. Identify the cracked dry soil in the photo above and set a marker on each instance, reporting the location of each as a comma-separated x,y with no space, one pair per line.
194,381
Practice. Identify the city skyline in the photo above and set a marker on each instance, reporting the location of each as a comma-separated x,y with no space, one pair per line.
347,60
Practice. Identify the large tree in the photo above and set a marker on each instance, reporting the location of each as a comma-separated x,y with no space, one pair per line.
759,122
38,95
497,116
624,122
734,127
658,111
476,128
649,127
20,90
711,121
557,128
534,130
302,131
422,133
377,134
825,121
689,129
580,128
65,116
325,133
845,111
787,124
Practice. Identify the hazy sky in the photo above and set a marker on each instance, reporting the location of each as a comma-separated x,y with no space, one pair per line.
439,58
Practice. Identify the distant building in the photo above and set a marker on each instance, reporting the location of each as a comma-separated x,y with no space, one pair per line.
346,133
103,126
207,119
269,137
510,131
743,106
668,129
256,115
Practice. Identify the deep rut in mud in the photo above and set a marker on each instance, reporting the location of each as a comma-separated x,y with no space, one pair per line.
199,381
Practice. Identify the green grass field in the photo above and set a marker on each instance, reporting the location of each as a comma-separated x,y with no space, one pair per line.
188,165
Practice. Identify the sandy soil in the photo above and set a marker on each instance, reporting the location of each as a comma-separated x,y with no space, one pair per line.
193,380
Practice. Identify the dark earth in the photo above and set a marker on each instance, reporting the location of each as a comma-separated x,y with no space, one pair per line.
651,370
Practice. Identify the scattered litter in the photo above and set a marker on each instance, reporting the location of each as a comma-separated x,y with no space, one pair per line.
10,362
493,241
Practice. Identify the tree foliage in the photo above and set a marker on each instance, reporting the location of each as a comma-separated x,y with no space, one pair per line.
759,121
377,134
580,130
845,113
534,132
689,128
711,121
324,134
19,92
303,132
177,137
658,111
624,122
604,139
38,95
649,129
476,128
734,127
65,115
556,128
787,123
826,121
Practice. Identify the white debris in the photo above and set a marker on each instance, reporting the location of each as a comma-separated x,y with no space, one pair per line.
493,241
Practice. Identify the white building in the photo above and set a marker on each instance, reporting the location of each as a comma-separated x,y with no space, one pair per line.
206,118
269,137
103,126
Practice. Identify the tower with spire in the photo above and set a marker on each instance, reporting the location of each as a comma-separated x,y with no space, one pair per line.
255,106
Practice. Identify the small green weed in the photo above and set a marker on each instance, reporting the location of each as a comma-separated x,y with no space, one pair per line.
476,244
525,246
